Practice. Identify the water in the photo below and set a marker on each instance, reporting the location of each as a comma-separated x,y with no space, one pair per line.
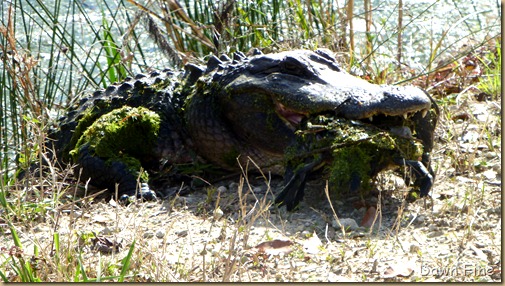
452,22
426,22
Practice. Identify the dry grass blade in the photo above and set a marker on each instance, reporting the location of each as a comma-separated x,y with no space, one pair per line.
156,34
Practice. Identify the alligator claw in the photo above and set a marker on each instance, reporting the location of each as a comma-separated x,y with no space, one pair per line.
292,193
423,177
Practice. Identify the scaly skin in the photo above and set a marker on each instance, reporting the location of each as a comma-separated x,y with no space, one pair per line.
245,108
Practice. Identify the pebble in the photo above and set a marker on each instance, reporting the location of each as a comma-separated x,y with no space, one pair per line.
182,233
218,213
489,174
435,233
148,234
496,210
40,229
347,223
233,186
222,189
491,155
160,234
259,190
443,222
414,248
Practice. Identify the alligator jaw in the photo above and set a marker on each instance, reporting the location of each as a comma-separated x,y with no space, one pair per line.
290,117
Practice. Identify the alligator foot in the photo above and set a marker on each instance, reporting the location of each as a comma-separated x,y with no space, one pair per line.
423,177
144,194
114,174
292,193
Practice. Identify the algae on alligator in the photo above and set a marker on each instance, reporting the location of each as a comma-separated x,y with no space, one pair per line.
143,134
351,154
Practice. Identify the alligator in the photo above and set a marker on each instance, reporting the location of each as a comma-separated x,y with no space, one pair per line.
228,112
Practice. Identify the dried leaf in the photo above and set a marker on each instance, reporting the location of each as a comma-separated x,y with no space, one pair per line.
275,247
399,270
105,245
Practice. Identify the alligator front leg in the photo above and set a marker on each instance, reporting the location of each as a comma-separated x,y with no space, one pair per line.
114,149
293,191
107,173
423,177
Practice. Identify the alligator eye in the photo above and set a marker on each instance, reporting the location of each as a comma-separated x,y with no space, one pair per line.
295,67
291,67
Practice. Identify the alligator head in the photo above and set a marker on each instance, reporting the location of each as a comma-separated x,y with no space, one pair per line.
259,102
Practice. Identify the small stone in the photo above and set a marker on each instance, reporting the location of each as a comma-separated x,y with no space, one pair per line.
482,147
420,218
347,223
182,233
414,248
222,189
489,174
160,234
233,186
491,155
38,228
443,223
259,190
496,210
306,233
435,233
218,213
148,234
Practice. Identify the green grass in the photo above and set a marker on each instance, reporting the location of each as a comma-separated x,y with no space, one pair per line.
492,78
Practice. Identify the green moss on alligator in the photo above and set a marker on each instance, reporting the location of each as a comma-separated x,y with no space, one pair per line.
122,135
355,152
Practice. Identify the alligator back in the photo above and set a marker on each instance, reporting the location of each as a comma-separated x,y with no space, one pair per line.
153,91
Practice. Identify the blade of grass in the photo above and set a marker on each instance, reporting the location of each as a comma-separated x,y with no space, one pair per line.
126,263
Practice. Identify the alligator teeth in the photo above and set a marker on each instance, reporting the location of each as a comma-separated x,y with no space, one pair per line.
424,112
405,115
370,118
